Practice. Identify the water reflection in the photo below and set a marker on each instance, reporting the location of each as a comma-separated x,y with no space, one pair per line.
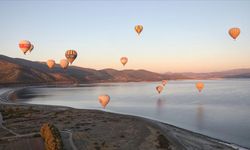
26,94
200,116
160,103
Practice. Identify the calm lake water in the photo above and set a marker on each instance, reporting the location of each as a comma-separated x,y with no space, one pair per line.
221,110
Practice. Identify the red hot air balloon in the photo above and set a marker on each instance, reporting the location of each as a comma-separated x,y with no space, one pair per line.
25,46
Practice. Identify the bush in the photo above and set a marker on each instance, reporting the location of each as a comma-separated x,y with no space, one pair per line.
51,136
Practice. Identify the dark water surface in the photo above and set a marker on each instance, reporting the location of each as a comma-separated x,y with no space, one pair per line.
221,110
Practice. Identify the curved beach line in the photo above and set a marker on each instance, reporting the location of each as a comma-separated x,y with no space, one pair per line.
175,134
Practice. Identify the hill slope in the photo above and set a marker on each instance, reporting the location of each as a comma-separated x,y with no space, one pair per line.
15,70
21,71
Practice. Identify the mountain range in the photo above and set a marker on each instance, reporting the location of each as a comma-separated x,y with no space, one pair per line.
21,71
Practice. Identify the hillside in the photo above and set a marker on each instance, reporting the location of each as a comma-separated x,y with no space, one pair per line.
15,70
21,71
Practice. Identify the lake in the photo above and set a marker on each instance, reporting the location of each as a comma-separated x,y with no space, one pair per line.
221,110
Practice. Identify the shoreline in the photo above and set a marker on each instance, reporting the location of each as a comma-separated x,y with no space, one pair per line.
177,138
71,83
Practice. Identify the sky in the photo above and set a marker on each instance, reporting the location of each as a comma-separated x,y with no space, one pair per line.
178,36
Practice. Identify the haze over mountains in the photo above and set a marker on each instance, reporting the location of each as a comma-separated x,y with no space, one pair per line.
21,71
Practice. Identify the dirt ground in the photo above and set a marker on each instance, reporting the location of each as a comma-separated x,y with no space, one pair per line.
94,130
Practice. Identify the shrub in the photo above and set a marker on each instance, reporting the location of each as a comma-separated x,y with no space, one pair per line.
51,136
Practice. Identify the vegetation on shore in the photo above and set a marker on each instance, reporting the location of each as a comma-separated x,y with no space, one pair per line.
51,136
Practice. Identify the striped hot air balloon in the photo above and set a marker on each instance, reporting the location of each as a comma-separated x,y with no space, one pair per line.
24,45
71,55
234,32
138,29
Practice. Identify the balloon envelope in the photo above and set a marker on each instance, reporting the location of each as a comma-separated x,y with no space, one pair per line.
71,55
164,82
199,86
104,100
31,48
51,63
24,45
64,63
234,32
138,29
124,60
159,88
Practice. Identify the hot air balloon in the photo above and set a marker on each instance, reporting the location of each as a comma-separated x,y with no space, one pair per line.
104,100
24,45
71,55
159,88
138,29
64,63
234,32
124,60
51,63
164,82
31,48
199,86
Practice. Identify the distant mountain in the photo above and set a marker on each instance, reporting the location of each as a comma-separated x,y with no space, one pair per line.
235,73
21,71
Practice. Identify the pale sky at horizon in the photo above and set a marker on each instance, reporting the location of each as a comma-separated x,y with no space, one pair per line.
178,36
